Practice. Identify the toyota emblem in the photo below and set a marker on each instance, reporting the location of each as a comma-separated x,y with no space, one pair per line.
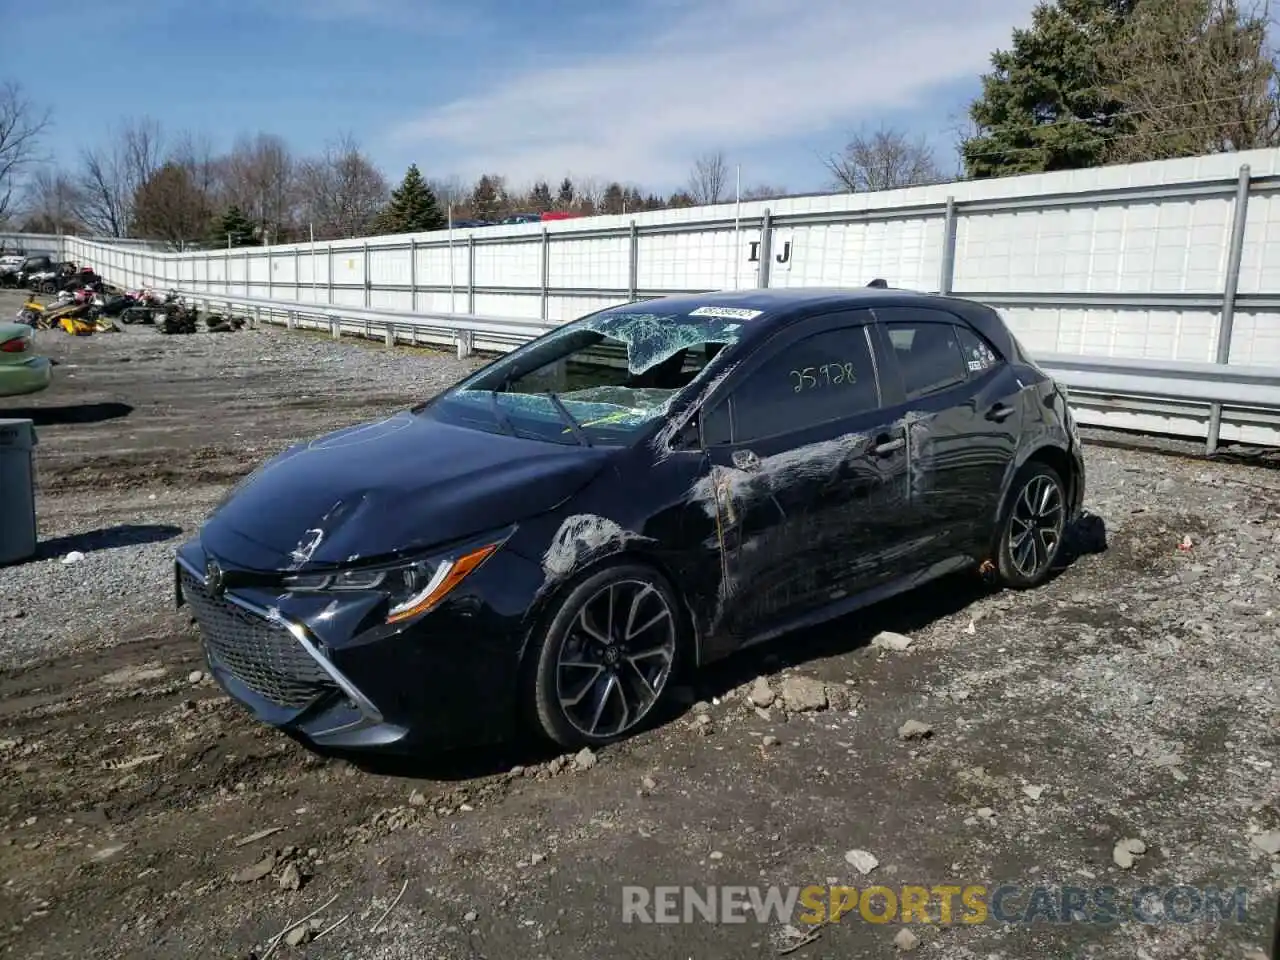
215,580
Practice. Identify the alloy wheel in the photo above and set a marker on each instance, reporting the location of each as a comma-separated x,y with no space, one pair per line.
1035,527
616,658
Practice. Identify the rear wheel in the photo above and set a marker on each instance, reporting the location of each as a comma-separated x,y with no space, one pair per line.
607,656
1032,527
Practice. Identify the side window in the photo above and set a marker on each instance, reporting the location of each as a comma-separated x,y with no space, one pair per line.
978,355
825,377
927,349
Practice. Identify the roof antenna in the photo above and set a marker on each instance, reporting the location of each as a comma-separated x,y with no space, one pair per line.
879,284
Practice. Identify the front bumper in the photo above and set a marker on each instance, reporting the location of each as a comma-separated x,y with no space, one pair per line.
300,664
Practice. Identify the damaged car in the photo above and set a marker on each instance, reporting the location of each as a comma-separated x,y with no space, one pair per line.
548,544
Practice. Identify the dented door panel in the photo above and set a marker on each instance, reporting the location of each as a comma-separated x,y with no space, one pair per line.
798,524
958,460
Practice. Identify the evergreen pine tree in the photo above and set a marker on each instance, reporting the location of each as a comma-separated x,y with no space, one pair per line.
1046,104
233,228
413,207
565,195
540,197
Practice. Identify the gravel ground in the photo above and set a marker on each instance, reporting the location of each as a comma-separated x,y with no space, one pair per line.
1133,698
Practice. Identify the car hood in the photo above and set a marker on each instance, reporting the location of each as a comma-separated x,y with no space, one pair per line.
395,486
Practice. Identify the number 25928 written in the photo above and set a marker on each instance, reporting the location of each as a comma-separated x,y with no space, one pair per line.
829,374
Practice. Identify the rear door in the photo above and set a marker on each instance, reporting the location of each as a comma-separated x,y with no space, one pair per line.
962,414
807,477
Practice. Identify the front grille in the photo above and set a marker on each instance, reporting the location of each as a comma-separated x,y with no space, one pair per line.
264,656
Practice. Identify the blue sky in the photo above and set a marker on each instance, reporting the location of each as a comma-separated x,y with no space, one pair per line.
622,89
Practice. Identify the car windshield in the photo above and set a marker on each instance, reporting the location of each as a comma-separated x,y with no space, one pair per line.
598,380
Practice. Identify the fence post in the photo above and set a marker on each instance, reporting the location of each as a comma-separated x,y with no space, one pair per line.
766,247
546,271
466,343
328,276
271,280
633,262
1226,321
947,266
297,273
368,283
413,275
471,273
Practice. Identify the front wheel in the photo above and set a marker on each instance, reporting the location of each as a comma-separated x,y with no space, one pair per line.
1032,526
607,656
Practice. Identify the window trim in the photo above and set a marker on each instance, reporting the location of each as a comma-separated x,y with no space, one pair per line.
788,336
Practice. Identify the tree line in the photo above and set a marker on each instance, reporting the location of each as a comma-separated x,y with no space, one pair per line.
1090,82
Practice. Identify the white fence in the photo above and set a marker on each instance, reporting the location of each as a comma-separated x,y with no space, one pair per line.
35,244
1174,260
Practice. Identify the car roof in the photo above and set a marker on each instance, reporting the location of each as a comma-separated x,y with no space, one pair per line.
779,306
778,302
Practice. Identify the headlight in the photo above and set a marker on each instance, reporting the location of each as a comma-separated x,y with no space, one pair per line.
411,587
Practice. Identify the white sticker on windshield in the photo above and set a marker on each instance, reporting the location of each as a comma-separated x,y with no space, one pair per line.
732,313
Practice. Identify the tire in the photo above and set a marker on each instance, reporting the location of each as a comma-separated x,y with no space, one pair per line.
1030,539
636,671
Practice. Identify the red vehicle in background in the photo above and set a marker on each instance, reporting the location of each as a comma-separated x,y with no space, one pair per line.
560,215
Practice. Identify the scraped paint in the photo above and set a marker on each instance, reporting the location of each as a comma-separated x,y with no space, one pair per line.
581,538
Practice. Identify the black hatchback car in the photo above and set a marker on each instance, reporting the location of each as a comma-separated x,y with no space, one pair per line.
643,490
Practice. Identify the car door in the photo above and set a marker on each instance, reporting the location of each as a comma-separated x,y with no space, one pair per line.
806,477
962,415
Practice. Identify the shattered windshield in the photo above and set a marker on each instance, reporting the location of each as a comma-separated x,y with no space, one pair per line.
599,379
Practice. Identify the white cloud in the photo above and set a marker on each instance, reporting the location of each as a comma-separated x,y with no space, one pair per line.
728,74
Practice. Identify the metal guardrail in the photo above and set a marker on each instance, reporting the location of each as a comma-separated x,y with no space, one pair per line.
389,323
1103,378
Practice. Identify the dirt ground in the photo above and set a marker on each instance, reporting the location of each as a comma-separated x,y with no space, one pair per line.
143,814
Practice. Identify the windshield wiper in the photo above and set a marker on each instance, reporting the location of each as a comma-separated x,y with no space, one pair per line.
578,433
500,415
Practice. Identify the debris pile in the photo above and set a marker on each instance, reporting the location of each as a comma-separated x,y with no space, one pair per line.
220,323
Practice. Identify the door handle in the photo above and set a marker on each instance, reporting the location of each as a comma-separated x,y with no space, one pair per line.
1000,413
884,446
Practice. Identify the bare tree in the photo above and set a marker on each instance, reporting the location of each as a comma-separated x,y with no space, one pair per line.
588,193
50,203
1197,77
883,160
341,191
449,190
709,180
260,179
21,124
105,201
195,152
963,129
111,175
764,191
